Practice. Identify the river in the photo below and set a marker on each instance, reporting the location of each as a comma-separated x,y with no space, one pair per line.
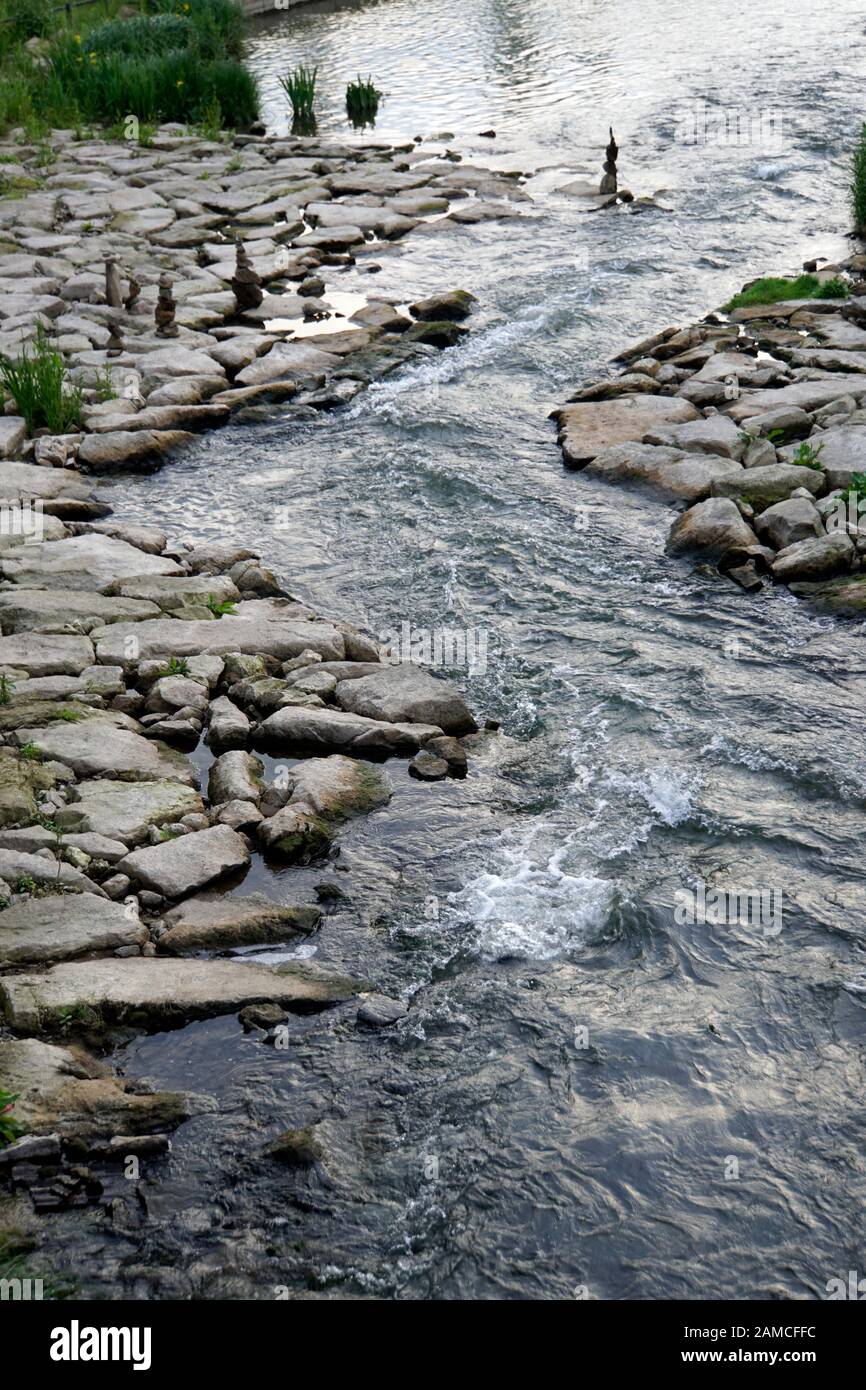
590,1099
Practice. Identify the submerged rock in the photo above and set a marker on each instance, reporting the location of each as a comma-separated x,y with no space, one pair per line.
378,1011
62,1091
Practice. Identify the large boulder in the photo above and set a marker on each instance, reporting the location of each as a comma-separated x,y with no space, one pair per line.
180,866
449,304
127,810
711,528
785,523
161,993
41,930
296,833
819,558
406,693
588,427
228,726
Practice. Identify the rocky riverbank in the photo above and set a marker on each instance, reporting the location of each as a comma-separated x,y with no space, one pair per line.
186,281
169,713
753,424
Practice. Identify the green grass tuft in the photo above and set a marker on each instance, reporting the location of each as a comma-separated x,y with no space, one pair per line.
39,384
773,289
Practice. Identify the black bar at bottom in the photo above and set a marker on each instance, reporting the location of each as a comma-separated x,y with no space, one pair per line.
63,1339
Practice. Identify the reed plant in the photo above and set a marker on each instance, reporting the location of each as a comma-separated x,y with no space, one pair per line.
300,87
362,102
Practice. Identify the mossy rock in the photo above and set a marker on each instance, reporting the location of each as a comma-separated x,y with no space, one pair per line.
296,1148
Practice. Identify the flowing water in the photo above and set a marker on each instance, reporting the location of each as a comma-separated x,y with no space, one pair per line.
591,1096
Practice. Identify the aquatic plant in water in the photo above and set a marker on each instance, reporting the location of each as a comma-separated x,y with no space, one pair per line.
362,102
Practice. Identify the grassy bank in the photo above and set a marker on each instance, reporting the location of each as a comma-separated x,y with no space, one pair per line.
163,60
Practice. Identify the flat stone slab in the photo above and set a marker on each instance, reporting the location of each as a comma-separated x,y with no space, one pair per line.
164,993
161,638
669,472
215,921
97,748
82,562
407,693
717,434
58,928
285,361
177,867
16,864
44,654
166,592
23,609
23,481
774,483
808,395
70,1093
590,426
127,810
299,727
